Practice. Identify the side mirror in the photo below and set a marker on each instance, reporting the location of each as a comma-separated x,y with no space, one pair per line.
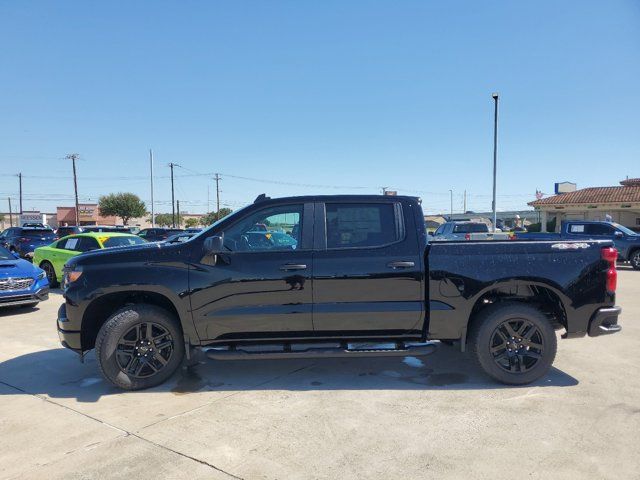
618,234
214,245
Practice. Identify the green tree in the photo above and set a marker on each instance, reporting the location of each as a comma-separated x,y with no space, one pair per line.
163,220
213,217
123,205
191,222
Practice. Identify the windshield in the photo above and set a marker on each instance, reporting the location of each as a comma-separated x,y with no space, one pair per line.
6,254
123,241
623,229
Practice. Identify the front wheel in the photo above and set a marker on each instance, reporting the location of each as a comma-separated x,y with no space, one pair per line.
513,343
634,259
140,346
50,272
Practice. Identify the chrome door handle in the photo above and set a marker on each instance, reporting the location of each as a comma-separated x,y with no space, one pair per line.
395,265
293,266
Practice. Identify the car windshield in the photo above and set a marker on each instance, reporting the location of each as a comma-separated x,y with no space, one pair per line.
6,254
122,241
625,230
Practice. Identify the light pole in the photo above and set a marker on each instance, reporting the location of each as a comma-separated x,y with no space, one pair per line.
495,156
451,209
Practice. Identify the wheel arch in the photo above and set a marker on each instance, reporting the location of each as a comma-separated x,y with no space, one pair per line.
102,307
545,297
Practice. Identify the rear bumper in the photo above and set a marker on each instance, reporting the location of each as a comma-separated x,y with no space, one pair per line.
24,298
70,339
605,322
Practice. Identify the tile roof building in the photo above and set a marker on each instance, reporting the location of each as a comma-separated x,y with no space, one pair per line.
621,204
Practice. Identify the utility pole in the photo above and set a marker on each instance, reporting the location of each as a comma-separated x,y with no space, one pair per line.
10,212
208,204
73,157
173,203
465,202
153,216
20,185
217,179
178,209
495,157
451,210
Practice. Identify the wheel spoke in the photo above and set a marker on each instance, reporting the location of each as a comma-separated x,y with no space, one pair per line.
139,367
497,348
148,331
160,359
530,354
509,329
537,346
164,345
523,328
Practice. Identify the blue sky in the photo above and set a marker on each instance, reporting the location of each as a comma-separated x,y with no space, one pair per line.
338,96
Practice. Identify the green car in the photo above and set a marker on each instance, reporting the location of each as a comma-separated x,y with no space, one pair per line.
53,257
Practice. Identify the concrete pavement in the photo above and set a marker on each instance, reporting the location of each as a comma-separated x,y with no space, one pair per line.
433,417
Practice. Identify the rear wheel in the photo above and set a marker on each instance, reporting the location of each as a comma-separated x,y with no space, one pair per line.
513,343
634,259
139,347
51,273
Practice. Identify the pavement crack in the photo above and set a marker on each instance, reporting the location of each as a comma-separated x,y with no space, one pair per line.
48,400
202,462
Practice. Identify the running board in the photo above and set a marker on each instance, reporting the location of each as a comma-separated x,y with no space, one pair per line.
305,351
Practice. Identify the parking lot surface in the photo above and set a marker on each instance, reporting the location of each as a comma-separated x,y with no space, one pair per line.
430,417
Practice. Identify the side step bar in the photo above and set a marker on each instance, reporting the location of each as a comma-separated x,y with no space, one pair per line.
252,352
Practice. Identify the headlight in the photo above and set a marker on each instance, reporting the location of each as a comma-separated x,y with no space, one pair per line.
71,274
42,275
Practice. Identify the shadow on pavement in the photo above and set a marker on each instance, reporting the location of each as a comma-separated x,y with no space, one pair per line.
58,373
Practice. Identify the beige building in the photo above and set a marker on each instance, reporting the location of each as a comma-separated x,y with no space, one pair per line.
619,204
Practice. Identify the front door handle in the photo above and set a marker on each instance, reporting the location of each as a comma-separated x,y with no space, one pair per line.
293,266
395,265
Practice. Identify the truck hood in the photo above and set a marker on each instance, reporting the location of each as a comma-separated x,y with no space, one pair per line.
133,253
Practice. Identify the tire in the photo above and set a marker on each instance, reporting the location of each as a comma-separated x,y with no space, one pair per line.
51,273
125,337
491,345
634,259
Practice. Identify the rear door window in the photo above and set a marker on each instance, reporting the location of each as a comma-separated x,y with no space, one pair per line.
599,230
361,225
87,244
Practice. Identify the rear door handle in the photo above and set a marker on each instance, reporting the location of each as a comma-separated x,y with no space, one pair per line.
293,266
401,264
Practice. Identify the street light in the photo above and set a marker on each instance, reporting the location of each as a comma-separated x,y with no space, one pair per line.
451,211
495,156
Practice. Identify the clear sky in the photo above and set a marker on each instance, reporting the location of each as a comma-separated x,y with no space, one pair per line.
340,96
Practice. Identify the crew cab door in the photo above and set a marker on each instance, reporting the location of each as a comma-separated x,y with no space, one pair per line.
260,286
367,272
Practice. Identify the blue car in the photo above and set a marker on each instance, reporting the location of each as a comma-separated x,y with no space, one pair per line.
21,282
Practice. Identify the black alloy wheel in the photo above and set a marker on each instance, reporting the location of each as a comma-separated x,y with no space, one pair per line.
50,272
517,345
144,350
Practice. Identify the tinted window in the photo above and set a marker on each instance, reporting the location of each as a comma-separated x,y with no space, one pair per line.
598,229
123,241
40,232
281,230
439,230
470,228
361,225
86,244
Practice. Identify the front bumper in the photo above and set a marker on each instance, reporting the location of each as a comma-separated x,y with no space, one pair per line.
70,339
605,322
24,298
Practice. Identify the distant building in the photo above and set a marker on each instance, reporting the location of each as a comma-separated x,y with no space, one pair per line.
88,214
620,204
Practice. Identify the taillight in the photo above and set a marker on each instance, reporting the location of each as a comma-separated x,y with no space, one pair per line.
610,254
513,236
467,236
23,239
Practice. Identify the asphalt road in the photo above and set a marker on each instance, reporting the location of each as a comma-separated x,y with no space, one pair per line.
435,417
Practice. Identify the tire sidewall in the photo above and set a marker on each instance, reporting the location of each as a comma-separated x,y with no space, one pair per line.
48,265
635,259
514,312
120,323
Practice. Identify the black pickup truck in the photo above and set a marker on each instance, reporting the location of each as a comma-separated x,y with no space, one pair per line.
333,276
